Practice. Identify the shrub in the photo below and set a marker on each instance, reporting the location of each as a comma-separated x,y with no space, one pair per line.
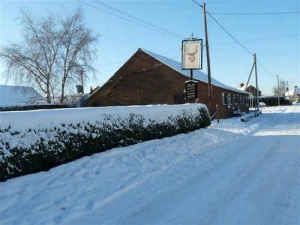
33,107
54,146
273,100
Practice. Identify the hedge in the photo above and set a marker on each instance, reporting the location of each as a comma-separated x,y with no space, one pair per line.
32,107
273,101
73,141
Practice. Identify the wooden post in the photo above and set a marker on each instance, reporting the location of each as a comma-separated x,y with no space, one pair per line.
278,90
217,108
208,61
256,80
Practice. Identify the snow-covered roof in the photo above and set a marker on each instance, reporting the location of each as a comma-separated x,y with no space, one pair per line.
14,95
290,93
243,88
295,91
197,74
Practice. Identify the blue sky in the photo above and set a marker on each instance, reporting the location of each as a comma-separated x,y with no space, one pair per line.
274,35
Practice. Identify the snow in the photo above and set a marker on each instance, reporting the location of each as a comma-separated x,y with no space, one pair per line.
21,120
295,91
197,74
25,129
233,172
17,95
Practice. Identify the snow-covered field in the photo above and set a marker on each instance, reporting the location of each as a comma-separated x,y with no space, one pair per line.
229,173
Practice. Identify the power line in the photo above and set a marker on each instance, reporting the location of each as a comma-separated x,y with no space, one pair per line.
261,39
239,43
136,18
255,14
130,18
230,34
154,27
265,69
253,40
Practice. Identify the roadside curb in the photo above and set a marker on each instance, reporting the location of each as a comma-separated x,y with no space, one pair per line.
250,116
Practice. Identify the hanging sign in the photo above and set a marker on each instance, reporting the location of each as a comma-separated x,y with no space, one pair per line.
191,54
191,90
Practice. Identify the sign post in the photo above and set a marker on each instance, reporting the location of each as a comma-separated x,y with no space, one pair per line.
191,59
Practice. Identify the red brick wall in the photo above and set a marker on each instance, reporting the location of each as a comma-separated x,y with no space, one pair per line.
143,80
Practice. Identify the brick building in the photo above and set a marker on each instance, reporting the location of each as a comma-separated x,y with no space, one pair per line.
148,78
251,89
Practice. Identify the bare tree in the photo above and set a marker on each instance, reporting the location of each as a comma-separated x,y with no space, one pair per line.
76,53
280,89
33,60
53,51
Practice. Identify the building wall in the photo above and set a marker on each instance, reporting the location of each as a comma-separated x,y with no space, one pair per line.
143,80
252,90
228,101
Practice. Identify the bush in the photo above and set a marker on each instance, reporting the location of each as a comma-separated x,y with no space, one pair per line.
273,101
72,141
32,107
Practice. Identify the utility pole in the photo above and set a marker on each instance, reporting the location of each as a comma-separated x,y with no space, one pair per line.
278,90
256,81
208,60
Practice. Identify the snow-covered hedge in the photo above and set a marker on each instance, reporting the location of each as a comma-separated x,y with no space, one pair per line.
36,141
31,107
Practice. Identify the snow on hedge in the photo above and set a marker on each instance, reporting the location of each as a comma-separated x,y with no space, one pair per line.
23,120
26,129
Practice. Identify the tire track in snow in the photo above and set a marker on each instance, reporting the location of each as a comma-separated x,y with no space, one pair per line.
172,182
260,183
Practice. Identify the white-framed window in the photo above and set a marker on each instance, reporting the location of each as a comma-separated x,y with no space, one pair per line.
223,98
247,101
235,102
228,100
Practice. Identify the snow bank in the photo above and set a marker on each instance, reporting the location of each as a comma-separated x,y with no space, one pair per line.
203,177
31,141
24,120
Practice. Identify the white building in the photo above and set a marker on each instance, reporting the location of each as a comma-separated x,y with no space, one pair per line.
18,95
293,94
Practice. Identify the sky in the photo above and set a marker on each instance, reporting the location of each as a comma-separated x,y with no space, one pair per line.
230,173
236,30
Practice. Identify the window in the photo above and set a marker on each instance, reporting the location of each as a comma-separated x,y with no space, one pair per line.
247,101
235,101
228,100
223,98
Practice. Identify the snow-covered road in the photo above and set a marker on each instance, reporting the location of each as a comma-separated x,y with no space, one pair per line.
230,173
